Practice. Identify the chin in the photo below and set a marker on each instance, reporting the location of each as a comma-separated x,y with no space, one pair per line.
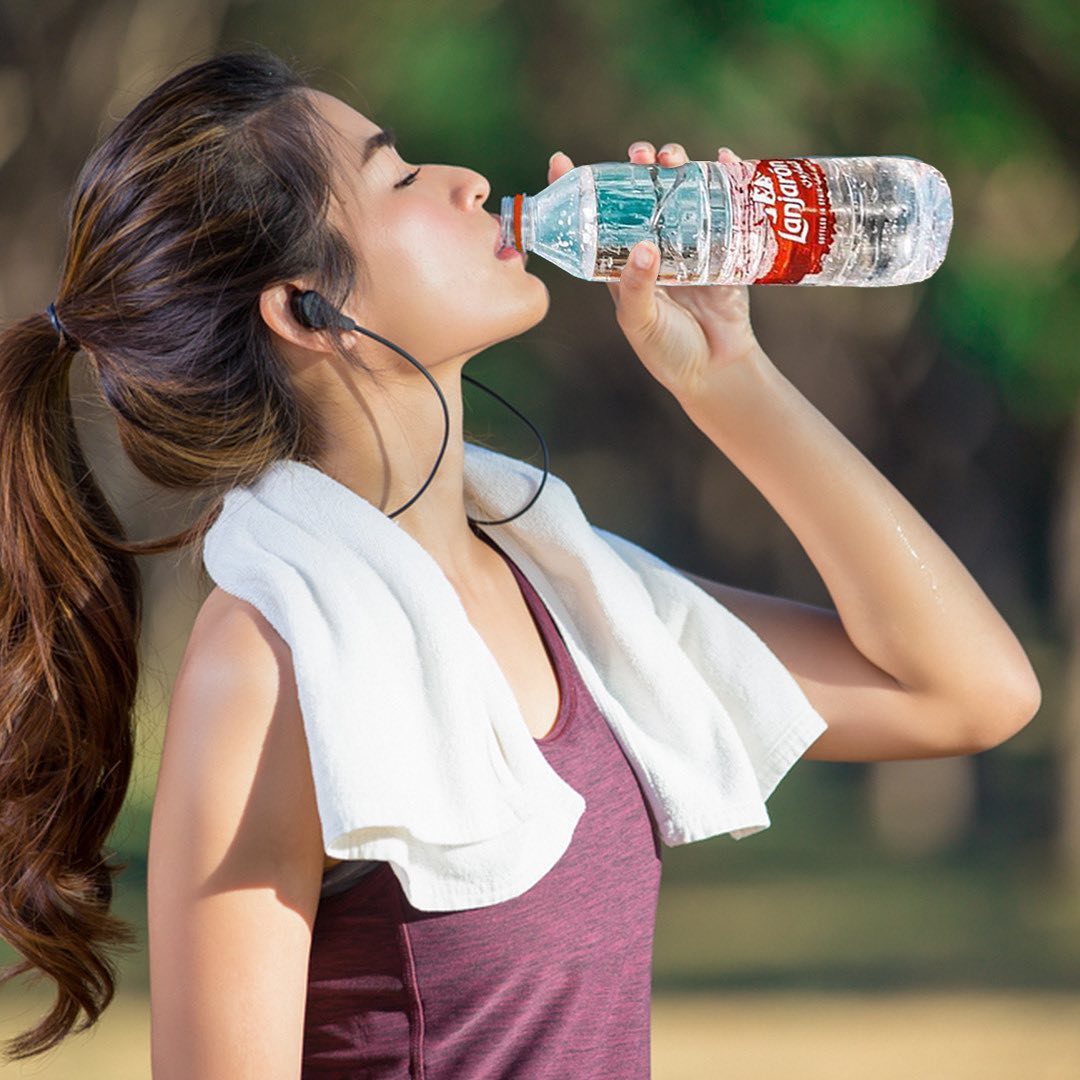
537,313
547,295
517,313
530,306
525,322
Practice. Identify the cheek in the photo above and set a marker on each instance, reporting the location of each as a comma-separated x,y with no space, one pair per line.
434,270
442,245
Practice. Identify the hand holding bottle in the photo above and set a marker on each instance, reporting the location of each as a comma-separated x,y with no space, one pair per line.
681,335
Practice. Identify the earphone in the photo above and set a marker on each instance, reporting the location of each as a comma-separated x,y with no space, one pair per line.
315,312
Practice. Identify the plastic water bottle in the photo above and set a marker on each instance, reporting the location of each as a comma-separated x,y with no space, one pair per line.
775,221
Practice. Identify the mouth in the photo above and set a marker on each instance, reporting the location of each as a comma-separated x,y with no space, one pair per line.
508,252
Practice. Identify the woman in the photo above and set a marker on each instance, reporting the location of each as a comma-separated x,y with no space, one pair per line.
224,196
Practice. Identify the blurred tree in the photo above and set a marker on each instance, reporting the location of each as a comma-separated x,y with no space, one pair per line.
1032,50
988,94
68,70
931,381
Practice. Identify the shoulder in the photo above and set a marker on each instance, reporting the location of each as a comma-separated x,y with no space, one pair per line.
235,668
234,750
225,620
235,685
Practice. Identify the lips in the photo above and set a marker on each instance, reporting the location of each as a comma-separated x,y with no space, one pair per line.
510,251
498,232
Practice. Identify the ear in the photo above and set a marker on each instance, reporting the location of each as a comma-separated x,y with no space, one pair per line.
275,309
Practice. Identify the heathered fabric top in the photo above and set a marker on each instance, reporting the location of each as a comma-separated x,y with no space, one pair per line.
551,984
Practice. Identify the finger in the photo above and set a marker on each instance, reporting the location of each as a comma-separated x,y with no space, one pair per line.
558,164
636,299
672,154
642,152
726,154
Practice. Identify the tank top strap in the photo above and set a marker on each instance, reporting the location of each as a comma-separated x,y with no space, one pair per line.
536,604
565,669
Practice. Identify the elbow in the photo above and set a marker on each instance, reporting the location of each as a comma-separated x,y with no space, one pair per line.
999,723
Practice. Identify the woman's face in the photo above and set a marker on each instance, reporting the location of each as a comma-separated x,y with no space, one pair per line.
434,284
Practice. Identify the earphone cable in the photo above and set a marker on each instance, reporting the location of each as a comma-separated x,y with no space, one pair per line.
348,324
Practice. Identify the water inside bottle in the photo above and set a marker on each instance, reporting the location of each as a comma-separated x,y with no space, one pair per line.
892,220
668,206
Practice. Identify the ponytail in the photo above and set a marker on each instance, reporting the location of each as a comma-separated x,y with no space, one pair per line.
69,627
212,189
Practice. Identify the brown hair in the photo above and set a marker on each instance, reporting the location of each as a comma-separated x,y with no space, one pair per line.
214,187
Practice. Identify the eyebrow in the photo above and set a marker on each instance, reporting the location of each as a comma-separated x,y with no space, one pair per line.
382,137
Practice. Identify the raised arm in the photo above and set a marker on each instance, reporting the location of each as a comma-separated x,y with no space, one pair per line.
915,661
235,860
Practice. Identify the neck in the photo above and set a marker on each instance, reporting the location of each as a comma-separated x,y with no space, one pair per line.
383,445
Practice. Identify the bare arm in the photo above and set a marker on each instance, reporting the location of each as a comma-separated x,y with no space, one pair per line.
871,717
235,860
915,661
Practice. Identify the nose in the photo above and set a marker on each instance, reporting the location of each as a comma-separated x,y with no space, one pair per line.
475,189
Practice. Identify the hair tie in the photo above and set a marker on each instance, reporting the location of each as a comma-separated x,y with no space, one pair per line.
58,326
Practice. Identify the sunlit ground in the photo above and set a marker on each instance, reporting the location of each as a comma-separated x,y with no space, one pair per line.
939,1036
774,1036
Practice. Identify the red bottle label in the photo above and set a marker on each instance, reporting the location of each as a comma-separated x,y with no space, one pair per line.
793,196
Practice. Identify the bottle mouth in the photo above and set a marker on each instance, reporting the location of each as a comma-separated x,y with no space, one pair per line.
510,230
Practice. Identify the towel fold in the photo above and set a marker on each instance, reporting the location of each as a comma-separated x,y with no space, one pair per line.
419,752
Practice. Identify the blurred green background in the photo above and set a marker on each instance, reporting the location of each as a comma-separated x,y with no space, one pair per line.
925,915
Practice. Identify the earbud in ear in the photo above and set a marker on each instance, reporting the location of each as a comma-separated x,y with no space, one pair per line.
314,311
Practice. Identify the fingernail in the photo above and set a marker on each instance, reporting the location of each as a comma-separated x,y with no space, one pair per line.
553,157
635,147
643,256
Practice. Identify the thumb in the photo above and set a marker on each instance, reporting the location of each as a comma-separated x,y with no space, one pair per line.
635,301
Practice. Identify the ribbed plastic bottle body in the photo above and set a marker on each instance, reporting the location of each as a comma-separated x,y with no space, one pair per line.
869,221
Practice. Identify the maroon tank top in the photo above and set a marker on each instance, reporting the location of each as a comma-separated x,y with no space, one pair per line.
551,984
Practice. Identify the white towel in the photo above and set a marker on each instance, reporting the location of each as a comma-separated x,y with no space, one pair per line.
419,752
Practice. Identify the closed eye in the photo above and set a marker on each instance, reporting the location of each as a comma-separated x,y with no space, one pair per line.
408,179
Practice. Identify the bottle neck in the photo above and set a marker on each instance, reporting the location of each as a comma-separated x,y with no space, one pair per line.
516,222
